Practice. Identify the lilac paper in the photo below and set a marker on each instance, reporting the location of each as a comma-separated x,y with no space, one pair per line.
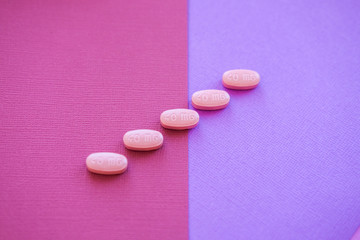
281,161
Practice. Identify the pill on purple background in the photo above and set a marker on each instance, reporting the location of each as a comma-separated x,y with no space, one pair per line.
240,79
211,99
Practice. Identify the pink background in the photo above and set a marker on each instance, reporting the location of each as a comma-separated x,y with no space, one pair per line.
75,76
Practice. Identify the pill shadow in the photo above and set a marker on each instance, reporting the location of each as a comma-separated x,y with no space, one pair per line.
131,154
99,178
241,93
209,113
175,133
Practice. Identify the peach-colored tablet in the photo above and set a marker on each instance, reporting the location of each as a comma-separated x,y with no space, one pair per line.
143,140
179,119
240,79
210,99
106,163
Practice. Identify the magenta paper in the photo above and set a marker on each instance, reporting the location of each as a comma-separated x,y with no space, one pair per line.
74,77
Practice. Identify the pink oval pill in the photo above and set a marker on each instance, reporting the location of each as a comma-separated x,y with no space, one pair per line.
179,119
143,140
106,163
210,99
240,79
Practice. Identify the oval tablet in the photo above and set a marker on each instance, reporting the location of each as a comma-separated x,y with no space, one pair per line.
106,163
240,79
210,99
179,119
143,140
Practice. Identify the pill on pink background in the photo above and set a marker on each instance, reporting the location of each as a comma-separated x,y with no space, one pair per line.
106,163
179,119
240,79
143,140
211,99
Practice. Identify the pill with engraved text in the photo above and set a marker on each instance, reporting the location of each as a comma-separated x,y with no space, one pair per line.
143,140
179,119
211,99
240,79
106,163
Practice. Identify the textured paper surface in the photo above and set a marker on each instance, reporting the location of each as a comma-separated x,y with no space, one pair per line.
356,236
74,77
281,161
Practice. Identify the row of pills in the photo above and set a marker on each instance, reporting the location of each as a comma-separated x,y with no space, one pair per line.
176,119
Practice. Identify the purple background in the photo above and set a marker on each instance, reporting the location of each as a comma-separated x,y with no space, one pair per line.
281,161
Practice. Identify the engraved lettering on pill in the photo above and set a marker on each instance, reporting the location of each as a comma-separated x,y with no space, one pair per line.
156,138
111,162
173,117
248,77
223,96
233,77
100,161
134,138
148,138
204,97
192,117
236,76
114,161
170,117
216,97
184,116
198,96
